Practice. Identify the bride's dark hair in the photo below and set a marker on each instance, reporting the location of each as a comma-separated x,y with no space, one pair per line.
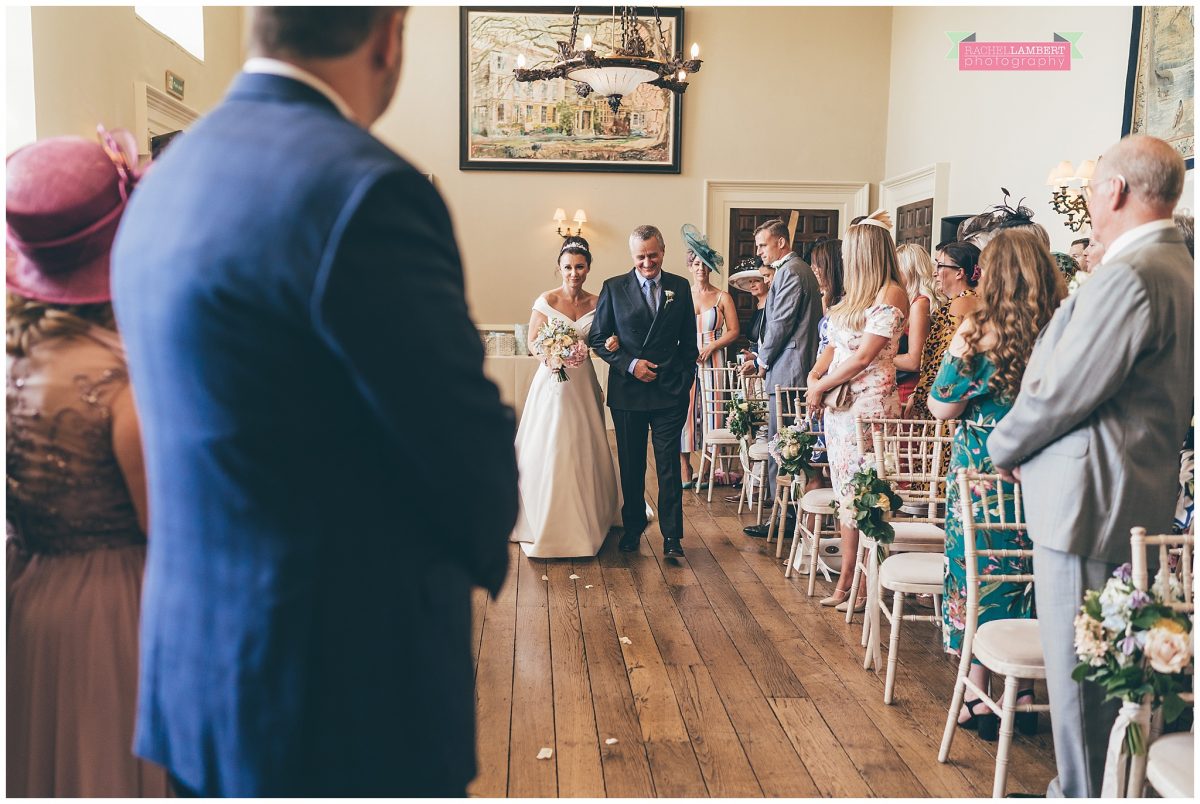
577,246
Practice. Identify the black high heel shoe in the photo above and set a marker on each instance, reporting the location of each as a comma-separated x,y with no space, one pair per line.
987,723
1026,722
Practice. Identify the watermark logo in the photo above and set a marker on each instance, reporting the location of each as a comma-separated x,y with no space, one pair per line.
1055,55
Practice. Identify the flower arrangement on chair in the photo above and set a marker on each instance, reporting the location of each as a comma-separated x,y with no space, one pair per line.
1136,646
744,415
868,503
792,449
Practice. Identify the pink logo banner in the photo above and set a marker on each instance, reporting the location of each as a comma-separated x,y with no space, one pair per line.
1014,56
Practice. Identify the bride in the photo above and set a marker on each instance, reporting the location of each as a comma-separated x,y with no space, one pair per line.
569,491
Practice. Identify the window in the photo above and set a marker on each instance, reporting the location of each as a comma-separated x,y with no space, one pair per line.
500,112
182,24
543,114
528,112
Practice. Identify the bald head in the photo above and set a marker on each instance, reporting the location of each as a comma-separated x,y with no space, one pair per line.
1152,169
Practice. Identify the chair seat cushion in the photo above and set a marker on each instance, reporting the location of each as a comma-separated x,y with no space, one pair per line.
817,501
758,451
918,535
1011,647
720,435
920,573
1170,768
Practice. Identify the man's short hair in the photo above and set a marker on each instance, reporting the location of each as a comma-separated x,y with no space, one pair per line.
314,32
775,228
646,232
1084,241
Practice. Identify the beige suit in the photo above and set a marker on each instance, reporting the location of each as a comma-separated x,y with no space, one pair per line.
1103,410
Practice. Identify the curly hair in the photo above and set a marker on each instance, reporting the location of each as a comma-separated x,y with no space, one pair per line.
30,321
1020,289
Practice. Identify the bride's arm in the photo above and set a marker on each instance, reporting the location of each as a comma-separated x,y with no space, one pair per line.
535,323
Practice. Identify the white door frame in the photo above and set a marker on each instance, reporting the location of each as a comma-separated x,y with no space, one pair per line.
156,112
849,198
931,181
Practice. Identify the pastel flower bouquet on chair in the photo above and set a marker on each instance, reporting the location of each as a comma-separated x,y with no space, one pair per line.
560,346
868,503
743,416
1132,643
792,449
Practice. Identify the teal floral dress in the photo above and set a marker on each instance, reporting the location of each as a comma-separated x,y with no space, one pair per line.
967,381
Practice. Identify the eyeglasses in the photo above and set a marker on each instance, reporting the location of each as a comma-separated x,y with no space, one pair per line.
948,266
1088,188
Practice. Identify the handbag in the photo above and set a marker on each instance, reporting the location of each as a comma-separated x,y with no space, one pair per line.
838,398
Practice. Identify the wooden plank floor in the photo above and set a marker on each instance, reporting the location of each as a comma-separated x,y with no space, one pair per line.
712,675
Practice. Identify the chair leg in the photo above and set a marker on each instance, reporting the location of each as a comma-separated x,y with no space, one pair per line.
814,532
712,472
889,684
1008,716
704,456
782,525
854,584
791,560
870,620
956,702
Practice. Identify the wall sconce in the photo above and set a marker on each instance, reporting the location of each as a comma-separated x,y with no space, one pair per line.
580,219
1067,200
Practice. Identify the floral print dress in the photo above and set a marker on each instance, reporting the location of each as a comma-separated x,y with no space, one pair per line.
967,381
873,390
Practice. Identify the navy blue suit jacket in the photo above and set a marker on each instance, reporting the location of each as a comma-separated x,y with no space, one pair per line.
667,339
313,409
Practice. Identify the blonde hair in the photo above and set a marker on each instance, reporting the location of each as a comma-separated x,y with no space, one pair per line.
916,273
869,262
1019,291
31,322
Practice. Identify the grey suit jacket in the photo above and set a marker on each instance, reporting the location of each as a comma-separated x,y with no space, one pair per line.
1105,403
788,346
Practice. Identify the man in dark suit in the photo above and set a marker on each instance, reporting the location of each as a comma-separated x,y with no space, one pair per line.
306,618
649,382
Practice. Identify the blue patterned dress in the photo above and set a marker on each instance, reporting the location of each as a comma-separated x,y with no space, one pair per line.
967,381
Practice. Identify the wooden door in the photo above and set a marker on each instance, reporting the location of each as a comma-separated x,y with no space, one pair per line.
914,224
811,225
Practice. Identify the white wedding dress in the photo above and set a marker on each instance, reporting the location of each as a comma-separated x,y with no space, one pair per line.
569,492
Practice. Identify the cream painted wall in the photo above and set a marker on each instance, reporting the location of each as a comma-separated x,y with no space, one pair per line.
819,113
1004,129
87,58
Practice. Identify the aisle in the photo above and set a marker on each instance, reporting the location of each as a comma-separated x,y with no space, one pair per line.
731,683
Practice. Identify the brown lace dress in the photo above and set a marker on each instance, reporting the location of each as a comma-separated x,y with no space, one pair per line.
75,558
942,326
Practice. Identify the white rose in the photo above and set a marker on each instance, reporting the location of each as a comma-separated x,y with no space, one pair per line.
1168,650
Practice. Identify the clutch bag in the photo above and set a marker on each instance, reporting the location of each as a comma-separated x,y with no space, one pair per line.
838,398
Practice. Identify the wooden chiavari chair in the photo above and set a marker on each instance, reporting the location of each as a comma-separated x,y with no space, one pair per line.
1011,648
718,385
753,453
1168,763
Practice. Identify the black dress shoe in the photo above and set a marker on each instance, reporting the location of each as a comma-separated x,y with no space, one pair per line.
629,542
672,548
757,531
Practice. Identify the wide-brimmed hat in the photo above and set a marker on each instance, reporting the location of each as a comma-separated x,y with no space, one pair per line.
742,279
64,199
698,245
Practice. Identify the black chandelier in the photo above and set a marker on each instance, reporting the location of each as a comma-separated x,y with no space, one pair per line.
613,76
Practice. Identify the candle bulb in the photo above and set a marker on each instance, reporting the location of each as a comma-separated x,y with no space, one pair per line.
695,50
587,42
682,75
520,61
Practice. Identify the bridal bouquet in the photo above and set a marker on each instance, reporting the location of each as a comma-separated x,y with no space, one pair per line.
744,415
868,503
792,449
1134,645
560,347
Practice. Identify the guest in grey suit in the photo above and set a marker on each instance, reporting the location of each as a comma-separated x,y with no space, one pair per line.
1095,431
788,346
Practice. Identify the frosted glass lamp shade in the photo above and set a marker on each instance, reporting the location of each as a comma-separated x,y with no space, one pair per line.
559,215
1061,174
580,216
608,81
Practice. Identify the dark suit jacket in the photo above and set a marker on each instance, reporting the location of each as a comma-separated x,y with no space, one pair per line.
668,339
281,280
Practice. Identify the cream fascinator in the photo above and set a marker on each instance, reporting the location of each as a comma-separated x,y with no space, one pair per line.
878,218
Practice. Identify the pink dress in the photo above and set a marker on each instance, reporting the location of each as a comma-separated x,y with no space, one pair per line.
873,390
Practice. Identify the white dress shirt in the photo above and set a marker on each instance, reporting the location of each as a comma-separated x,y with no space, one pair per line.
288,70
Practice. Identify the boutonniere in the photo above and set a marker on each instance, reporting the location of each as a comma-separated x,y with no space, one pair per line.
670,294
